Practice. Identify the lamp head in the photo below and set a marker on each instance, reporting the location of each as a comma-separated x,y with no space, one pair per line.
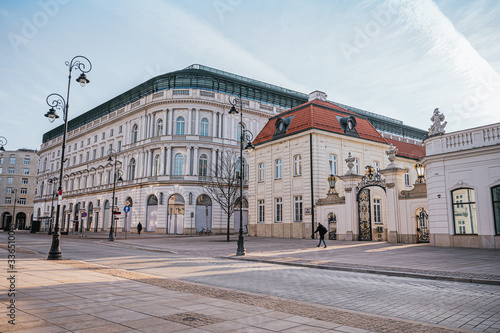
82,79
110,159
2,148
51,115
233,111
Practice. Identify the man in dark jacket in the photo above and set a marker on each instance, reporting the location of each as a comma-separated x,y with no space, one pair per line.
322,231
139,228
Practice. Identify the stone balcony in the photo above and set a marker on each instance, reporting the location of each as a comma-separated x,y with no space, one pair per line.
464,140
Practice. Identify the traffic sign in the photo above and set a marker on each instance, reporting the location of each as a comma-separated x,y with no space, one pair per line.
126,209
127,203
84,214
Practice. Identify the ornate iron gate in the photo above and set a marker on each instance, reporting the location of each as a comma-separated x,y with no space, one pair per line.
422,226
365,225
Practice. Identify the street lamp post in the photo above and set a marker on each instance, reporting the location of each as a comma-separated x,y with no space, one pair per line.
3,142
51,181
244,135
56,101
13,220
112,157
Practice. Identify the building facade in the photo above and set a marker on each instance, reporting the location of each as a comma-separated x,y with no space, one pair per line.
463,177
299,149
18,171
165,136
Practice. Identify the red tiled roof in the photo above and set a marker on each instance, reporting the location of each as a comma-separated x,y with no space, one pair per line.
319,115
408,150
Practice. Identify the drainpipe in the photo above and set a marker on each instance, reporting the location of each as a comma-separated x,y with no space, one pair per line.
312,182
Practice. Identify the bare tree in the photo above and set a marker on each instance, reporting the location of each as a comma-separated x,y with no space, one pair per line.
225,184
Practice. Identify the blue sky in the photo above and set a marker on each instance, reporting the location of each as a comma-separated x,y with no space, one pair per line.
398,58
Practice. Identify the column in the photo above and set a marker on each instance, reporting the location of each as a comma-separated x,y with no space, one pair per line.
171,122
161,172
212,163
394,182
166,123
169,160
214,124
188,125
188,160
197,122
195,162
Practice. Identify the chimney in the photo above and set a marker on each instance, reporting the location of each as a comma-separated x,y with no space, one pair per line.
319,95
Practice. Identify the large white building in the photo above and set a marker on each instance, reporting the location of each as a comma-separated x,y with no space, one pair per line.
168,134
463,177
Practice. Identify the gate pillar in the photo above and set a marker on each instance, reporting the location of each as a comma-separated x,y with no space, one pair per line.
394,183
348,229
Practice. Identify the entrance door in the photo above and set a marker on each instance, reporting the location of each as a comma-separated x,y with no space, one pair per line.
175,214
365,225
203,213
152,215
20,221
422,226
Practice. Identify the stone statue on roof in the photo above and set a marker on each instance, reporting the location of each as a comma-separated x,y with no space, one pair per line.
437,127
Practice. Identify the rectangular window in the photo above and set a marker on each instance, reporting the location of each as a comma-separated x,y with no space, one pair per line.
407,178
297,208
261,172
81,145
94,154
377,211
102,151
261,211
111,132
22,201
26,171
8,201
27,161
1,160
277,173
376,166
88,141
95,138
464,211
24,181
81,158
75,146
24,191
356,166
120,129
8,190
297,165
119,146
103,135
87,155
110,147
332,164
278,210
74,160
1,170
10,180
12,160
12,170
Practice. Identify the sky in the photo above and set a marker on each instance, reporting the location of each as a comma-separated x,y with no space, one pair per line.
398,58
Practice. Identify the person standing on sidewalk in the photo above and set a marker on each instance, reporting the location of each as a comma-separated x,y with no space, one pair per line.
322,231
139,228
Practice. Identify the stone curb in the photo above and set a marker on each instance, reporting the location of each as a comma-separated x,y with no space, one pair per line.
373,270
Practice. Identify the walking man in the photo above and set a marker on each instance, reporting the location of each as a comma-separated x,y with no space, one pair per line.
322,231
139,228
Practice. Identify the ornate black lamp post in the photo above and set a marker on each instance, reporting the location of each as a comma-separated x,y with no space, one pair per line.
13,220
56,101
54,193
3,142
245,135
116,174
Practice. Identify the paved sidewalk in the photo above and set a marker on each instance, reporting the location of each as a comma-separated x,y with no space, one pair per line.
72,296
410,260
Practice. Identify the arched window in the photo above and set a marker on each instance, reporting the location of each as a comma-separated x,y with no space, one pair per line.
179,129
297,165
332,164
238,131
495,194
159,127
152,200
204,127
464,211
179,164
203,165
131,169
133,139
156,166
